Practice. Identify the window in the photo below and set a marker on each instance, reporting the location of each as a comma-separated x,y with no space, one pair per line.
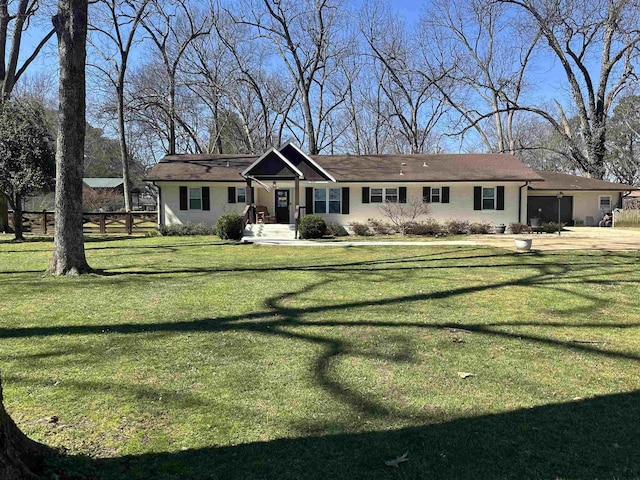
604,202
379,195
195,199
334,200
376,195
241,195
391,195
440,195
320,200
488,198
327,204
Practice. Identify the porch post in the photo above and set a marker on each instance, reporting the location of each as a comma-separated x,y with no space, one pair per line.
297,207
249,199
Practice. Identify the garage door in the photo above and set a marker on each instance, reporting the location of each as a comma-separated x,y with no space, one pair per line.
548,208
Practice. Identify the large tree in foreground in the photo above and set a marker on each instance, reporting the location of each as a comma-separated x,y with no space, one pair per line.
26,154
71,28
19,456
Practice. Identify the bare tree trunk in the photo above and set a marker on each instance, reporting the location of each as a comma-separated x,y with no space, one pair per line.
4,213
124,151
20,457
17,218
172,117
68,249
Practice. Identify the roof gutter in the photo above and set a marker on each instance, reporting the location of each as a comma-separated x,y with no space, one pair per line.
526,184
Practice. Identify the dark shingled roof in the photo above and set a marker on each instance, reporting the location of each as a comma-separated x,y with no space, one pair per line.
562,181
207,168
426,168
358,168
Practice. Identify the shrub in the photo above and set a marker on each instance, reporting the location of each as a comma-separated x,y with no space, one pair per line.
229,226
312,226
402,215
479,228
360,229
518,228
186,229
456,227
550,227
408,228
379,227
336,230
428,228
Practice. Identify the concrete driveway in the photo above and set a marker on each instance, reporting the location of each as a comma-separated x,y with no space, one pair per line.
572,238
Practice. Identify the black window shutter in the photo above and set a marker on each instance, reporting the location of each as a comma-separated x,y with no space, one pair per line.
445,195
365,194
183,198
402,198
308,193
345,200
500,198
206,202
426,194
477,198
231,194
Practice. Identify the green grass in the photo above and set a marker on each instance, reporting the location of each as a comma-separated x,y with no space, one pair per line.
192,358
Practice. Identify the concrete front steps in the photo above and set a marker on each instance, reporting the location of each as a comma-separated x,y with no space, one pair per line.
266,232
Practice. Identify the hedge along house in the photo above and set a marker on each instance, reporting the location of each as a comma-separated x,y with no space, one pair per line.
342,188
584,200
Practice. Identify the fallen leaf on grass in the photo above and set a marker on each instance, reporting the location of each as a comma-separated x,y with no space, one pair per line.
465,374
397,461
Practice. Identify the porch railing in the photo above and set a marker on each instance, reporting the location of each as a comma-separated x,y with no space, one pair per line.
299,212
246,216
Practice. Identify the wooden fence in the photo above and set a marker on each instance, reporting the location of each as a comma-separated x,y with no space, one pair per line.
99,222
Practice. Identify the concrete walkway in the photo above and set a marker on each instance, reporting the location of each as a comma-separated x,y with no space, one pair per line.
572,238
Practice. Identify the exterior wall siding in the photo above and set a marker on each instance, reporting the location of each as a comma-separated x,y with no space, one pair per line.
171,213
460,206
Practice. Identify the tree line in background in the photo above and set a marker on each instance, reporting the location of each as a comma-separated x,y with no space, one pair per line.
536,78
223,76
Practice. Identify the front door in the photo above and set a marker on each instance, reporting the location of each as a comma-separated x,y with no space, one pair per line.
282,206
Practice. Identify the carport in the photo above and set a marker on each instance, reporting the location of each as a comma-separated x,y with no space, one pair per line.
546,208
584,200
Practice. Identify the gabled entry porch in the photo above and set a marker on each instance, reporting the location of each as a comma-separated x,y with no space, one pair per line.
276,176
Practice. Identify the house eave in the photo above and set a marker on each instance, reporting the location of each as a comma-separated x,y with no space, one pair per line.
247,171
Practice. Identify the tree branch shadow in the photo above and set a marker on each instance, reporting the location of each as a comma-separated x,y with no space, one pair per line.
588,439
555,440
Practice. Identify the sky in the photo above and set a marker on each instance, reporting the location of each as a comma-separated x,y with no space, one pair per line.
410,10
550,81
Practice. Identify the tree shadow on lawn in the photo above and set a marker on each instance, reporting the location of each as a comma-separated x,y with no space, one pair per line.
586,439
596,438
400,264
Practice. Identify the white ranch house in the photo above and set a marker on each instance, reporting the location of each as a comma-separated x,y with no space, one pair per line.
284,183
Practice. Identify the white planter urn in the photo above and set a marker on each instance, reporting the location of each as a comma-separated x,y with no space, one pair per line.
523,244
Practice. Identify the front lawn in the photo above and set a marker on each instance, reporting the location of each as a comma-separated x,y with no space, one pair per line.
193,358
